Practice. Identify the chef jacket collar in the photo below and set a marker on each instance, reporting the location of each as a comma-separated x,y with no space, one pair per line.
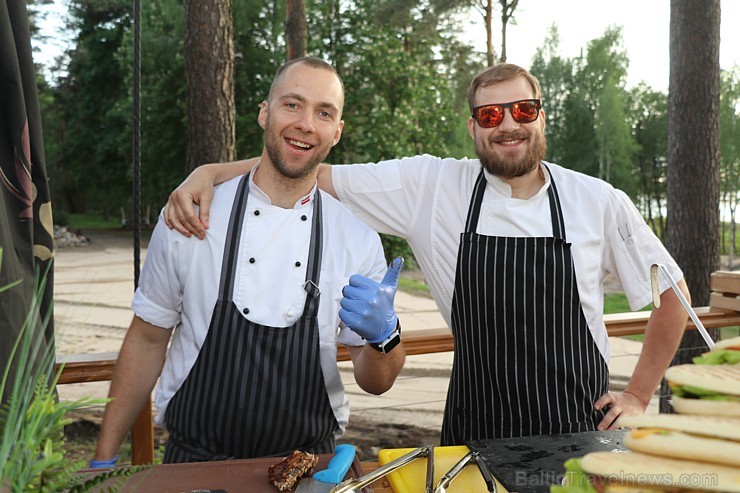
257,193
505,189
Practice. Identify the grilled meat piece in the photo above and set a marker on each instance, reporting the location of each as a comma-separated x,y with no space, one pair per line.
286,473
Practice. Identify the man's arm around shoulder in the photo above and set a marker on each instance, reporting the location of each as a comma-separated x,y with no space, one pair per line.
179,212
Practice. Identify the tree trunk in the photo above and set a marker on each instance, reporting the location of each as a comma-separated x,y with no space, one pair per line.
694,152
488,18
296,28
507,11
209,76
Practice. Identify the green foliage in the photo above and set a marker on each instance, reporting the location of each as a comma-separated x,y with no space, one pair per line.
33,418
260,47
730,153
93,159
649,121
92,221
406,75
403,108
556,81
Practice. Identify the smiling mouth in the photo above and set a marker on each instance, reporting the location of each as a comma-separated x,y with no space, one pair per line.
300,145
509,142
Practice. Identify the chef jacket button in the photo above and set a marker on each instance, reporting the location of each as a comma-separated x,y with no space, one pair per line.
251,260
290,313
256,212
297,264
245,311
630,241
304,217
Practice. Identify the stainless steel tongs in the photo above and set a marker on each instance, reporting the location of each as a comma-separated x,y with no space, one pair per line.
470,457
354,485
660,268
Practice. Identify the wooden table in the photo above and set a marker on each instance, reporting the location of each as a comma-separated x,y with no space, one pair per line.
238,476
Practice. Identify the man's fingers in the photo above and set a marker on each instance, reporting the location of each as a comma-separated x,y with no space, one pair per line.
166,216
609,420
204,212
351,292
604,401
350,319
354,306
185,219
173,221
360,282
393,272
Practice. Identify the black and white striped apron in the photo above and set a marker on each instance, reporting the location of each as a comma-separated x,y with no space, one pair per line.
254,390
525,362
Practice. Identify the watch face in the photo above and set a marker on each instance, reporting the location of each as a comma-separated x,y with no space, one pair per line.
386,346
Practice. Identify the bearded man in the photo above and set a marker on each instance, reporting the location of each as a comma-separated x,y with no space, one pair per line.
255,309
515,251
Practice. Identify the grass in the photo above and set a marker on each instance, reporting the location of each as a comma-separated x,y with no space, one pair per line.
92,221
413,287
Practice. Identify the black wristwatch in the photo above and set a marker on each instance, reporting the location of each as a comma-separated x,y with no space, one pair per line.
392,341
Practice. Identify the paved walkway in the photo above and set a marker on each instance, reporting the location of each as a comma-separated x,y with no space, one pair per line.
93,289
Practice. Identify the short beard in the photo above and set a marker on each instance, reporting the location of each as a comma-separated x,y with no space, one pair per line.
509,168
273,142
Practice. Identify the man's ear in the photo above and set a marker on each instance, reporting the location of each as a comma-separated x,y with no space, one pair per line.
544,119
471,127
262,116
338,133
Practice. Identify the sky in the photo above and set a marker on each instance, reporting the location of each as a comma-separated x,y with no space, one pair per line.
645,32
645,26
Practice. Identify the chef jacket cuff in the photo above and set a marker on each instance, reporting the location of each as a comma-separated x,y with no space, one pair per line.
349,337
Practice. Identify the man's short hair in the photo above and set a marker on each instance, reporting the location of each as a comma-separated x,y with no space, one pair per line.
502,72
308,60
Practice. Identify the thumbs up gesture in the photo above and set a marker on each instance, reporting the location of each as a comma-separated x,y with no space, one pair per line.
367,306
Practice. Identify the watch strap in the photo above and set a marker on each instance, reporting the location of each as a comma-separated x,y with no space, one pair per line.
391,342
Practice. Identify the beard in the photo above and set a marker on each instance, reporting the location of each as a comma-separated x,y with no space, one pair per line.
503,166
273,144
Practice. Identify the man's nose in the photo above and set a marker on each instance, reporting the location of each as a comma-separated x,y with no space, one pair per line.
508,123
305,122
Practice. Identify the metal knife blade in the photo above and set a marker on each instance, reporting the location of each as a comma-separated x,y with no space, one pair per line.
324,481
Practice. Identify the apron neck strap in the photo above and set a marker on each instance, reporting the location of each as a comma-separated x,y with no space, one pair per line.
313,269
234,233
556,212
231,248
479,190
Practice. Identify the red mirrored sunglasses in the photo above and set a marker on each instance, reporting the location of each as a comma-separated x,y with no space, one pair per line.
522,111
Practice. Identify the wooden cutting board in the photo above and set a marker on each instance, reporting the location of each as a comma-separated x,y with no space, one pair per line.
237,476
411,478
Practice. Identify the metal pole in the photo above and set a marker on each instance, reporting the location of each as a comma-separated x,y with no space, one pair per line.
137,141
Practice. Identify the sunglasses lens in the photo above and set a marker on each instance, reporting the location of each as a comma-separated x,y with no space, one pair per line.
489,116
524,111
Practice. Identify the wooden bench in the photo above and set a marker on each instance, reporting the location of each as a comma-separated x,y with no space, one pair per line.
723,311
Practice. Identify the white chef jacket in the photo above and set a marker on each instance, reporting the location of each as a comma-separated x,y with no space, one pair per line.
179,282
425,199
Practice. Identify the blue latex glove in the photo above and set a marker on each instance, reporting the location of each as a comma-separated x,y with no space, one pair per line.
103,464
367,306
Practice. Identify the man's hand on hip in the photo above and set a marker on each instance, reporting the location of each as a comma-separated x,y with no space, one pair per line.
618,404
